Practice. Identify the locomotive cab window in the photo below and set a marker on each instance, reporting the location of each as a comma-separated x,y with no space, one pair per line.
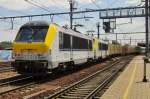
32,34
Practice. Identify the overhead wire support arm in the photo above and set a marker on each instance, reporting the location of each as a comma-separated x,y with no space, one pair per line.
76,12
124,33
83,18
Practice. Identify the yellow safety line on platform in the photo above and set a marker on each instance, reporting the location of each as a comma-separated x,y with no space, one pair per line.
130,83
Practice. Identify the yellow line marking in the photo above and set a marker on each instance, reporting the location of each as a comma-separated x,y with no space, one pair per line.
130,83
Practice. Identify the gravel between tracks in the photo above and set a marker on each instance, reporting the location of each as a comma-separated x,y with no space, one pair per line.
9,74
57,84
53,85
4,75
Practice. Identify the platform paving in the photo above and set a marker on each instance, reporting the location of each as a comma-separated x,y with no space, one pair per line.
129,84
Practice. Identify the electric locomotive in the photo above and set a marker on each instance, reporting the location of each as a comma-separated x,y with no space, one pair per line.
40,48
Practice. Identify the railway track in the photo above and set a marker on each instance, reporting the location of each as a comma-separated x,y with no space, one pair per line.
15,83
88,87
25,83
5,67
4,64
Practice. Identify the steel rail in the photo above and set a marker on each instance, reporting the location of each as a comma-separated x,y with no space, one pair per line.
19,80
20,87
6,69
83,81
15,80
104,83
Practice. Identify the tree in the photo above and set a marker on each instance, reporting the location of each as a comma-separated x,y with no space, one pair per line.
138,49
5,45
115,42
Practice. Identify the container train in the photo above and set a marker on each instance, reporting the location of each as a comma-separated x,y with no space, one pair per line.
40,48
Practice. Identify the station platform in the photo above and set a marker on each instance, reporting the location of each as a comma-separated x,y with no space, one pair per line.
129,84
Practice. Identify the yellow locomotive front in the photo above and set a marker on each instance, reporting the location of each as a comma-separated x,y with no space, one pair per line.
31,48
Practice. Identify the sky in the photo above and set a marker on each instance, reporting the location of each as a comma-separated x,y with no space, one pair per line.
22,7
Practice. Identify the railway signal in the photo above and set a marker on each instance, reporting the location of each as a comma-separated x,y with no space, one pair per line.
106,27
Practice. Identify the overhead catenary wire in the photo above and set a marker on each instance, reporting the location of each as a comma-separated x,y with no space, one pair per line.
75,12
93,22
9,22
34,3
112,3
84,13
57,3
41,6
84,5
94,2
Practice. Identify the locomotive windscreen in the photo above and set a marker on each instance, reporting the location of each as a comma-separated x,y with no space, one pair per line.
32,34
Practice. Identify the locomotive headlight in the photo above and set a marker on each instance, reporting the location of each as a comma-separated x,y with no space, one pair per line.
13,55
17,55
42,55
